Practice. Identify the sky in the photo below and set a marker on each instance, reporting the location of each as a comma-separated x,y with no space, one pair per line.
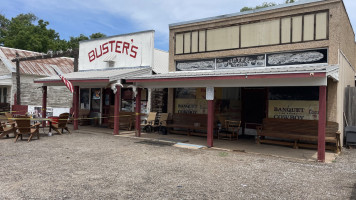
114,17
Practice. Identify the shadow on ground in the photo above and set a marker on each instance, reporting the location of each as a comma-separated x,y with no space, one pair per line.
353,194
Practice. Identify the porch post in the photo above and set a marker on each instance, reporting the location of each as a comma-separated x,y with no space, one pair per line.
210,131
322,123
138,112
76,107
210,122
117,110
44,104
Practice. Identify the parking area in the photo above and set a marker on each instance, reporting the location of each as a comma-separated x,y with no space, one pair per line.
97,165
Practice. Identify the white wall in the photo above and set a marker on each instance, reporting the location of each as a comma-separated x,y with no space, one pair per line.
129,50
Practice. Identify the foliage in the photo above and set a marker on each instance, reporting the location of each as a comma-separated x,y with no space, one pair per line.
263,5
27,32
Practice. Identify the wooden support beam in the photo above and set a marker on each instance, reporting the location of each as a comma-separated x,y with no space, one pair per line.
117,110
76,107
322,124
210,127
44,104
138,112
68,53
18,82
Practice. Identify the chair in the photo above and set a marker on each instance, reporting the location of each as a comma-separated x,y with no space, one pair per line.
230,131
6,129
10,118
150,122
62,123
162,122
23,126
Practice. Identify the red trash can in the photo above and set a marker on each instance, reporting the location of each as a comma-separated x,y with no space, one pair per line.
54,120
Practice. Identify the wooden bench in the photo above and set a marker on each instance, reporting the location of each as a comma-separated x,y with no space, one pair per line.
126,120
297,133
188,124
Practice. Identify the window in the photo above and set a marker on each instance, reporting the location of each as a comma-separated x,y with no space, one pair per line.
286,30
3,95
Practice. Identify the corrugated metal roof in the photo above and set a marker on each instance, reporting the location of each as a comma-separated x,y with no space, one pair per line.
35,67
244,71
111,75
246,12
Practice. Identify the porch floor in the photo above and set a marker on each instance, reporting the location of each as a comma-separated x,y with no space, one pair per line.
245,144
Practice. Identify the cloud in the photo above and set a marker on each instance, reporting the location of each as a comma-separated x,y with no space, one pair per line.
118,16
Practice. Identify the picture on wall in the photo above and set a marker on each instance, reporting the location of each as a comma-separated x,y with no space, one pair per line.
240,62
186,93
196,65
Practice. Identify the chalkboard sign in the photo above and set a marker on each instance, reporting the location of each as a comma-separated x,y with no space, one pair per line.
297,58
240,62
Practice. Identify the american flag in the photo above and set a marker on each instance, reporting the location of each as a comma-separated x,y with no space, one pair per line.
65,81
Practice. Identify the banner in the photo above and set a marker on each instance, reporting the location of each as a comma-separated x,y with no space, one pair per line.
301,110
191,106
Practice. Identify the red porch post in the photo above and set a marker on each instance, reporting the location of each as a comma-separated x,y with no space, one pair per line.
117,110
322,124
76,107
44,104
210,123
138,113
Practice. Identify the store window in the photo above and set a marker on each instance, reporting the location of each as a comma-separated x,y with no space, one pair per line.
3,95
193,101
95,99
300,103
84,99
128,101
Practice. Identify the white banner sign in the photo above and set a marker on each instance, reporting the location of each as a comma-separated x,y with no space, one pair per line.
129,50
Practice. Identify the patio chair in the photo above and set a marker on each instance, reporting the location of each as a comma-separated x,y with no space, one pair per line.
9,117
62,123
6,129
162,122
23,127
230,131
150,122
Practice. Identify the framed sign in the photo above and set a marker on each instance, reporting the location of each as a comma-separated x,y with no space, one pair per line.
297,58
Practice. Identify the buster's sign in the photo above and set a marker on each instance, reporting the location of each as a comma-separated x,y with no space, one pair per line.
129,50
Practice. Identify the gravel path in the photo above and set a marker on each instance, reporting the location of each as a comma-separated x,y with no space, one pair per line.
101,166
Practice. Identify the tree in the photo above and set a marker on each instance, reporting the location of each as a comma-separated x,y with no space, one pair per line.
73,42
264,5
20,32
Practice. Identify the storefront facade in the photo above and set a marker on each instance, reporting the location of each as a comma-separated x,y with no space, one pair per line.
100,88
291,61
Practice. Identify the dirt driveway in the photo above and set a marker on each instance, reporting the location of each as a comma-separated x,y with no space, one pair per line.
101,166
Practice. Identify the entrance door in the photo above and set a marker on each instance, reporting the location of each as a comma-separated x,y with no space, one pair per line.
253,106
107,102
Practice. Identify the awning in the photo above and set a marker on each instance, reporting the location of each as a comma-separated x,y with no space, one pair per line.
95,77
296,75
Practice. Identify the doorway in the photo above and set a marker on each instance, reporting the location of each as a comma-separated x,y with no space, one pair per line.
254,104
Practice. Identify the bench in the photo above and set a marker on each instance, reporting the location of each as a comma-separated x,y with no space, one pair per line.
297,133
188,124
126,120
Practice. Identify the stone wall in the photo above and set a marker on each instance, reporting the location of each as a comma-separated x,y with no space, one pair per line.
31,93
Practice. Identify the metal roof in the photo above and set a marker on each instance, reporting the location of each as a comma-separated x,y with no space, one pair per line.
329,69
35,67
246,12
110,75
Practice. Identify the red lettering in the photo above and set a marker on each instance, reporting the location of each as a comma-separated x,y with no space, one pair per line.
105,48
126,46
91,56
133,51
101,53
118,47
112,43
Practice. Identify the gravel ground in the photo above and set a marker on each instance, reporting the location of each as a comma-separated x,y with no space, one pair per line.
101,166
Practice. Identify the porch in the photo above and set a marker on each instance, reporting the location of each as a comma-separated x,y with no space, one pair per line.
245,144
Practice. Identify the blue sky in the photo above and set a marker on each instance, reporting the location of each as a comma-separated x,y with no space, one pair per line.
113,17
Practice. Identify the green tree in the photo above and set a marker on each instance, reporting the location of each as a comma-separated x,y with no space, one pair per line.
263,5
73,42
21,32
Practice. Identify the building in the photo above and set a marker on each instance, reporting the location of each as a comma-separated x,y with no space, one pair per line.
290,61
31,93
100,86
